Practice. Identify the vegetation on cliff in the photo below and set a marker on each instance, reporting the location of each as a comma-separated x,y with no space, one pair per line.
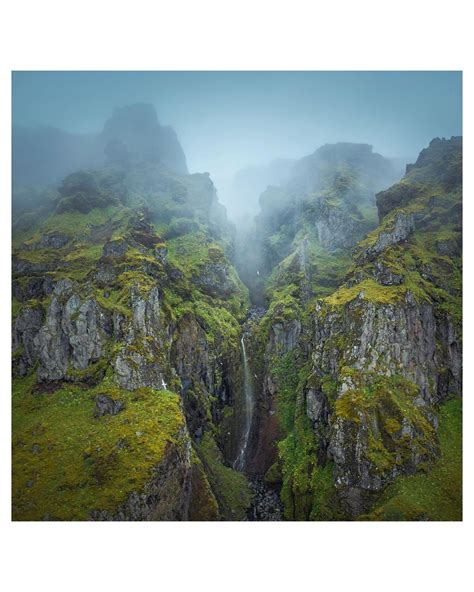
360,381
128,314
124,292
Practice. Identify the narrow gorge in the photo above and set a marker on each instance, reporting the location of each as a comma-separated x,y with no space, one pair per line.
151,383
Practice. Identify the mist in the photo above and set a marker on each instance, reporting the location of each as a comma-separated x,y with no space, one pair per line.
235,124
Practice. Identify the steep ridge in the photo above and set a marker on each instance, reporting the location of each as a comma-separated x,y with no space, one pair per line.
126,351
356,383
306,230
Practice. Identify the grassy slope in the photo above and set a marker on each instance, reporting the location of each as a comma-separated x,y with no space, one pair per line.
66,462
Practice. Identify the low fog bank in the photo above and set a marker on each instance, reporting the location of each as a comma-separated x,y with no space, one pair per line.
336,182
42,156
266,212
232,124
240,194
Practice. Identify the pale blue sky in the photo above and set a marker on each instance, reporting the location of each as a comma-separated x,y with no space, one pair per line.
227,120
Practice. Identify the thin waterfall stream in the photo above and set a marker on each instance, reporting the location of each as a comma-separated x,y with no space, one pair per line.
248,410
266,504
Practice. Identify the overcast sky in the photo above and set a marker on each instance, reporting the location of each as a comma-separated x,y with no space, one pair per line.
227,120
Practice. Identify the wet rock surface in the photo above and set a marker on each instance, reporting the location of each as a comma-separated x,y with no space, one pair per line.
266,506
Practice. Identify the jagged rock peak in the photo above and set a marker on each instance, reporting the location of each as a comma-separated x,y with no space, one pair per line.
437,168
438,152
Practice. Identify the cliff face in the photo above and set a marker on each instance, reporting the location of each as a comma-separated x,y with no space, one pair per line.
126,351
358,378
127,363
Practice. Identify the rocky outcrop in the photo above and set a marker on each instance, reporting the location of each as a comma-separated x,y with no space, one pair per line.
330,199
283,337
75,332
279,339
398,195
49,240
132,343
375,436
357,387
166,497
214,278
34,287
440,164
402,227
105,405
318,410
115,249
394,339
143,359
25,329
336,228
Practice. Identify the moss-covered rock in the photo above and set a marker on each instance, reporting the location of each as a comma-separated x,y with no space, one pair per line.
68,463
357,391
105,309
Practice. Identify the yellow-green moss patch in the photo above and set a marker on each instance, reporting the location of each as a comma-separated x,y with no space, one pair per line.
67,463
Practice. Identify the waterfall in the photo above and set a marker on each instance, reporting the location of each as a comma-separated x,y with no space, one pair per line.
249,403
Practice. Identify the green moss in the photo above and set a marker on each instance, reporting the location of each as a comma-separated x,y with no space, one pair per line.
84,256
392,425
323,270
219,323
436,495
189,251
306,487
274,476
192,253
284,306
92,374
67,463
384,404
117,301
74,223
325,502
369,290
230,487
16,307
134,279
203,504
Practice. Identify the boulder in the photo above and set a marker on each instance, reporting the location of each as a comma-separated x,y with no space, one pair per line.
115,249
105,405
